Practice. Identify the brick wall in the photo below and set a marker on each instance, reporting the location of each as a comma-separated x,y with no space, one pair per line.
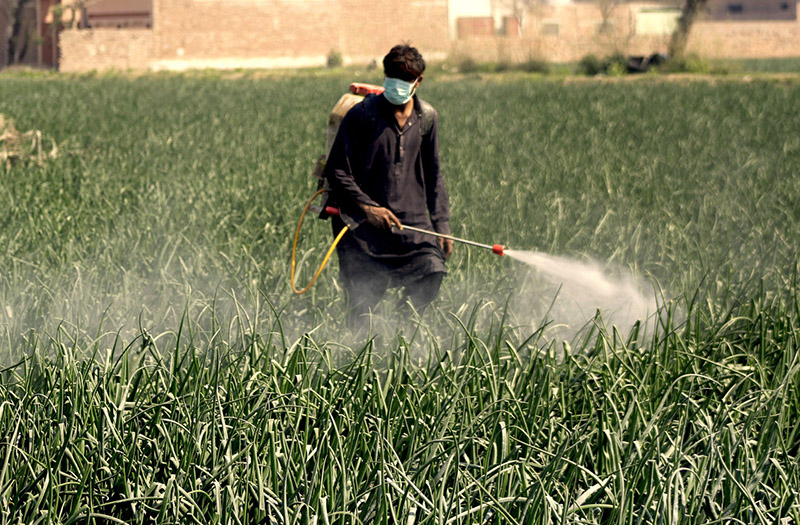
752,10
746,39
475,26
98,49
578,34
263,33
286,33
267,32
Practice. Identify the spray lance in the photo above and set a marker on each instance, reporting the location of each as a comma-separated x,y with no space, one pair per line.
497,249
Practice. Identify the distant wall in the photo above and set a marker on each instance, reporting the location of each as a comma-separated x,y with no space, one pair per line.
99,49
289,33
746,39
262,33
568,32
741,10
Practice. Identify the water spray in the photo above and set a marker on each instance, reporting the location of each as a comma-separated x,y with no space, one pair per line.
497,249
583,285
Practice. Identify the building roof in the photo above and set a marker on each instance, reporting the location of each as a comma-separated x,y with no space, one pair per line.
114,7
103,8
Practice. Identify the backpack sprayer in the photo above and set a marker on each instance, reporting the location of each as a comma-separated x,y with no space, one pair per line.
357,93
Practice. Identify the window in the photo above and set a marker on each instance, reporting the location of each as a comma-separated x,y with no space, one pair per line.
735,9
551,28
784,6
657,21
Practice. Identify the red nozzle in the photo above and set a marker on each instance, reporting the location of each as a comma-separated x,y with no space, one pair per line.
330,210
498,249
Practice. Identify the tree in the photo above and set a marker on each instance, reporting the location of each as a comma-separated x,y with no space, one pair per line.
7,12
23,31
519,10
77,13
607,8
677,45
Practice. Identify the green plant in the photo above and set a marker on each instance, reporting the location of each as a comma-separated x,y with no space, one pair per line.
590,65
335,59
534,65
155,366
687,64
615,64
467,65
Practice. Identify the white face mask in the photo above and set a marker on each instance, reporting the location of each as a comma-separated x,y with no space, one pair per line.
397,91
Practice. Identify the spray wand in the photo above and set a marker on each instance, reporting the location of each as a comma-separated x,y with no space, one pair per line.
497,249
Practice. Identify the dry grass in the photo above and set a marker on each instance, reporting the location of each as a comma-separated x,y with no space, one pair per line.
16,145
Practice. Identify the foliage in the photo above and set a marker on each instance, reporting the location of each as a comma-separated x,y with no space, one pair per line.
691,9
691,63
534,65
247,428
615,64
758,65
590,65
155,367
335,59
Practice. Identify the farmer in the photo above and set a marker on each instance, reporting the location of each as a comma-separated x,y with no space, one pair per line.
383,171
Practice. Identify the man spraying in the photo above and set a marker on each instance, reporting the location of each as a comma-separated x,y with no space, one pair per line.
383,171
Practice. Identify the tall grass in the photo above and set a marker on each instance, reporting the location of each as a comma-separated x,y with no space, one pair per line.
698,424
156,368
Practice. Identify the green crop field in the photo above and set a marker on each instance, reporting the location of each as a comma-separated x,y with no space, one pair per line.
155,366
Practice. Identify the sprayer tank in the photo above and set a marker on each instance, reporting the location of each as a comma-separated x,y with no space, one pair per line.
357,93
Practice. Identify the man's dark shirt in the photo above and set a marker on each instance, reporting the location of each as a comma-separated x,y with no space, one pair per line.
375,162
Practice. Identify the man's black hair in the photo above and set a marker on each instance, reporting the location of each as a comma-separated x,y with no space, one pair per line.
403,62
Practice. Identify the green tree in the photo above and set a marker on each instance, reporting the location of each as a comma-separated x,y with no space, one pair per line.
677,45
607,8
23,32
7,12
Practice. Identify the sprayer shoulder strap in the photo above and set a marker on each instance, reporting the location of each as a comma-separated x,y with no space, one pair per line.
426,116
425,112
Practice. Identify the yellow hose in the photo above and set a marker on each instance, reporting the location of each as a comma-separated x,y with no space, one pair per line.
294,247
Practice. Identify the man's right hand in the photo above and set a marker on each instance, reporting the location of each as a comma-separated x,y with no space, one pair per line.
381,217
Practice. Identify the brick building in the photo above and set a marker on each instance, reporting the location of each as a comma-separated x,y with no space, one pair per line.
741,10
118,14
182,34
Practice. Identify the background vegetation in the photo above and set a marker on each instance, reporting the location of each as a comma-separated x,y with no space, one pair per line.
156,367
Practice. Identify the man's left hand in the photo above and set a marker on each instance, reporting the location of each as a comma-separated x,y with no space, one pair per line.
447,247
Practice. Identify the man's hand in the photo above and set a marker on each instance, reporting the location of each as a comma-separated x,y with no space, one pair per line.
447,246
381,217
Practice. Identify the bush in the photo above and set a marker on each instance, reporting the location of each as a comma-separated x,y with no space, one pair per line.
504,65
590,65
335,59
616,70
467,65
534,65
686,64
613,65
616,64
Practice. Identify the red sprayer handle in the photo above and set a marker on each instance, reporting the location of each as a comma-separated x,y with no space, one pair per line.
496,248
